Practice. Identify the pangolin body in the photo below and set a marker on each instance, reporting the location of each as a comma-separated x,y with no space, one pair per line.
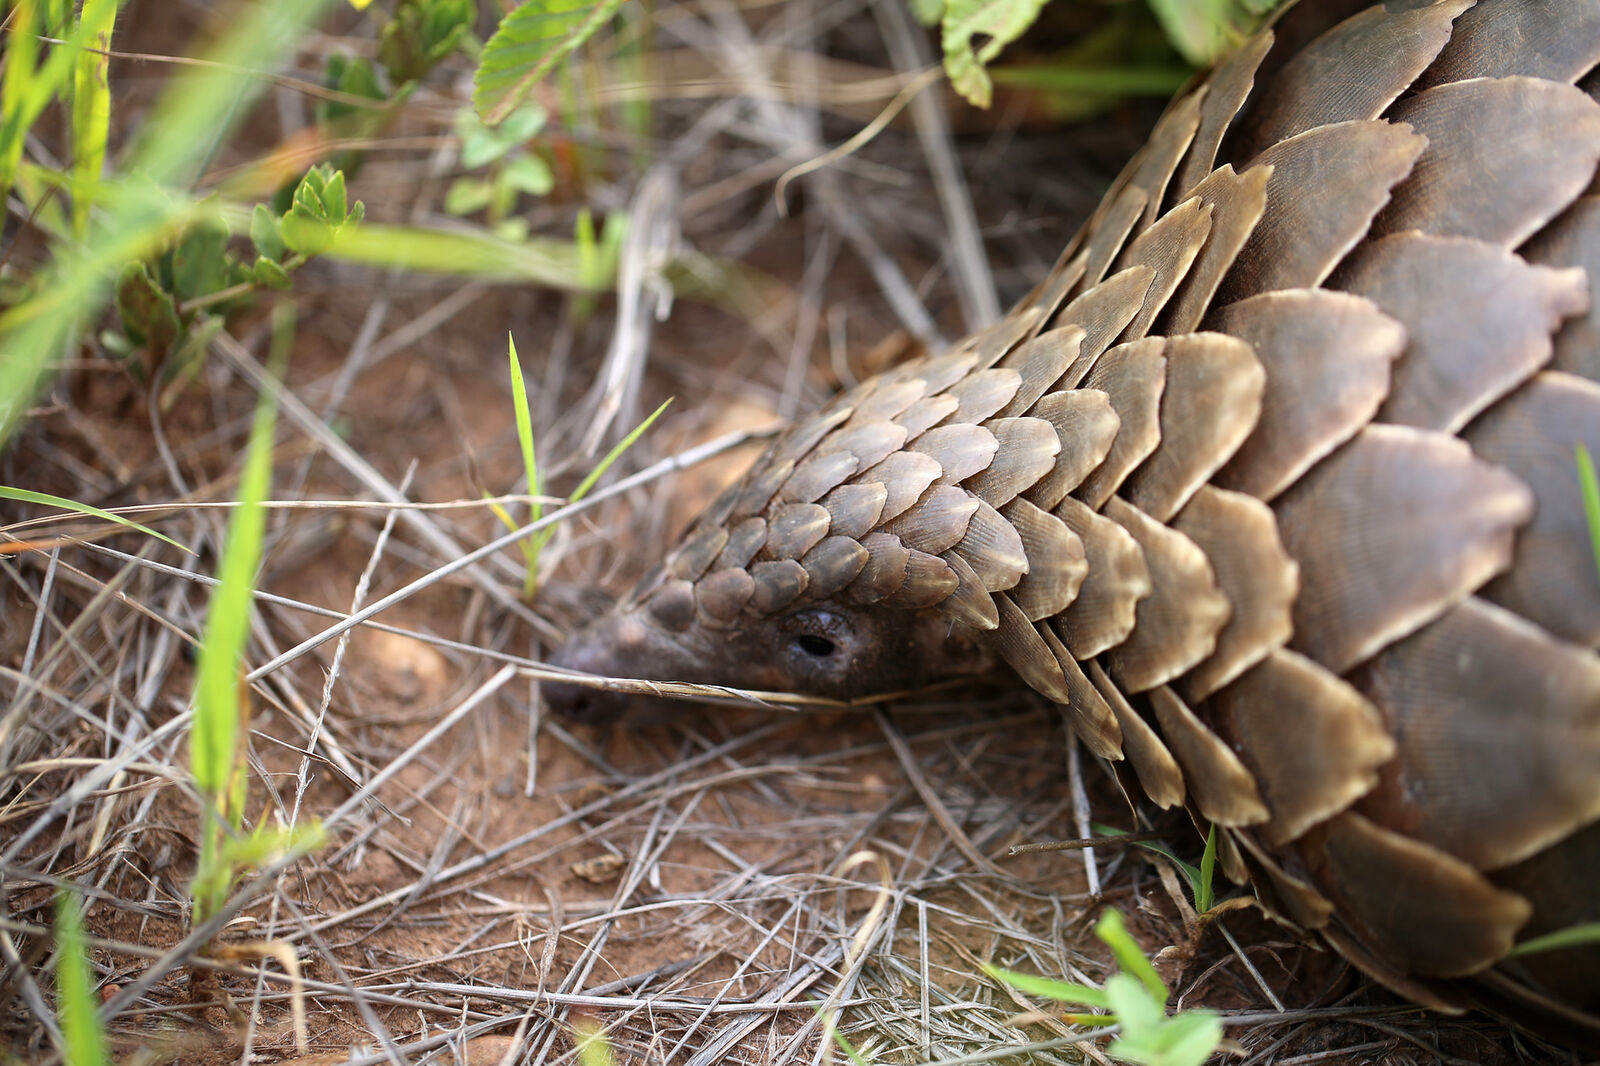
1271,482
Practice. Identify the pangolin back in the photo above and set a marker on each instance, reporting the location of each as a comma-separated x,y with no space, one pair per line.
1272,483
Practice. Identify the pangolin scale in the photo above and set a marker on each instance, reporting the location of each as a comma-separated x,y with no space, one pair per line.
1271,482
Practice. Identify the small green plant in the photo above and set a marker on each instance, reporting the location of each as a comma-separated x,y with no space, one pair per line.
173,304
421,33
1201,879
221,707
533,544
512,169
1135,1000
974,32
83,1035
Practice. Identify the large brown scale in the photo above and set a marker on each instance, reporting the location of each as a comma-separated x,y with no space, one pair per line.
1270,482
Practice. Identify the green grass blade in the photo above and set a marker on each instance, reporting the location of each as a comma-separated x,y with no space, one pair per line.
1573,936
27,90
91,109
1590,487
228,623
542,538
546,262
1196,877
1052,989
219,707
530,463
614,454
81,1032
44,499
1205,887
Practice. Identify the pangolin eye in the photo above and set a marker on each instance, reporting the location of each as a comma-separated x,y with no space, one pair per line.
812,644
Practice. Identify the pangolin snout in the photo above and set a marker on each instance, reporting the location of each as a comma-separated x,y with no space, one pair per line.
614,645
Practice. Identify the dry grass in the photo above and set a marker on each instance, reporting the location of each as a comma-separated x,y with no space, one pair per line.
713,889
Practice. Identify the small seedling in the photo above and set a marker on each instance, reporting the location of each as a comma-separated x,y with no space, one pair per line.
534,543
170,303
1135,1000
512,169
1201,878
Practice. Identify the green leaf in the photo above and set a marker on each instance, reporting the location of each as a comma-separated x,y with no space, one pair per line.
268,273
265,234
514,230
529,174
480,147
267,842
352,76
149,314
467,195
530,41
307,235
1050,988
999,21
1204,887
44,499
1185,1040
1191,1038
1191,873
82,1034
1111,929
593,1047
307,201
1137,1011
200,259
520,126
333,198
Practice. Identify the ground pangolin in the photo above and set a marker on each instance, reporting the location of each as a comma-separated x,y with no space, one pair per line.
1271,482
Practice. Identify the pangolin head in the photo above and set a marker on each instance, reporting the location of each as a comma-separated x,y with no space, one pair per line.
858,556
